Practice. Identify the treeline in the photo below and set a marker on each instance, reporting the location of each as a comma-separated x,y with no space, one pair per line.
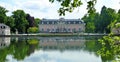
101,22
19,21
95,22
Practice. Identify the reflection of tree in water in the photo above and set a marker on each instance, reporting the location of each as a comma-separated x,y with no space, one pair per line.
3,54
21,48
18,48
92,46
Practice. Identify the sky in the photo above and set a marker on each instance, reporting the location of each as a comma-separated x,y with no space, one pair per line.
45,9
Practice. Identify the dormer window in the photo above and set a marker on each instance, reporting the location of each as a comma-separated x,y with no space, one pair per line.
74,22
52,22
79,22
3,27
42,23
47,22
68,22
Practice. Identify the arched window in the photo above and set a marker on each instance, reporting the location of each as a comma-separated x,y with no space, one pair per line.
42,30
69,30
73,30
79,29
52,30
57,30
64,30
48,30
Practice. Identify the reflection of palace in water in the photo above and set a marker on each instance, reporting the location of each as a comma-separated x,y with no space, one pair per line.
62,43
4,41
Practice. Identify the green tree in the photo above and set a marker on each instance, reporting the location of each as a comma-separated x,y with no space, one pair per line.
101,23
90,22
3,16
37,22
118,18
10,23
107,16
20,21
70,5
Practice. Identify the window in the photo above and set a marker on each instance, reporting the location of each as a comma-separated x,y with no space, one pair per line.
42,29
48,30
52,22
57,30
79,22
68,22
74,22
79,29
64,29
69,30
73,30
42,22
3,27
47,22
52,30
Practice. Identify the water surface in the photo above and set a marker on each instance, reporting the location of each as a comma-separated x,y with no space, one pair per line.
50,49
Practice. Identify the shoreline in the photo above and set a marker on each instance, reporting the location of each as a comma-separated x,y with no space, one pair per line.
55,34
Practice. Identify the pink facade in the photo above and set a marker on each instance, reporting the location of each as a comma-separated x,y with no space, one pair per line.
62,26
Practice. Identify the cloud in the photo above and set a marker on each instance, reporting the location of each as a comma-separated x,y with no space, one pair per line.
45,9
108,3
57,56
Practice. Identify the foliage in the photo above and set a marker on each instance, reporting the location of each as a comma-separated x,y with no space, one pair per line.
10,23
32,30
90,27
19,49
3,16
37,22
90,24
8,20
101,23
92,46
20,21
110,48
107,16
33,41
30,20
117,25
70,5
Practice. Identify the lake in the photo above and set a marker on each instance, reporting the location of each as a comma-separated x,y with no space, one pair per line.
51,49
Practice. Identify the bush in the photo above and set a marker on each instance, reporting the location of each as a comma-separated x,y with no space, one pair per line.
32,30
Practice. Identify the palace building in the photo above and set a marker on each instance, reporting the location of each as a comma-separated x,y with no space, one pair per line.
61,25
